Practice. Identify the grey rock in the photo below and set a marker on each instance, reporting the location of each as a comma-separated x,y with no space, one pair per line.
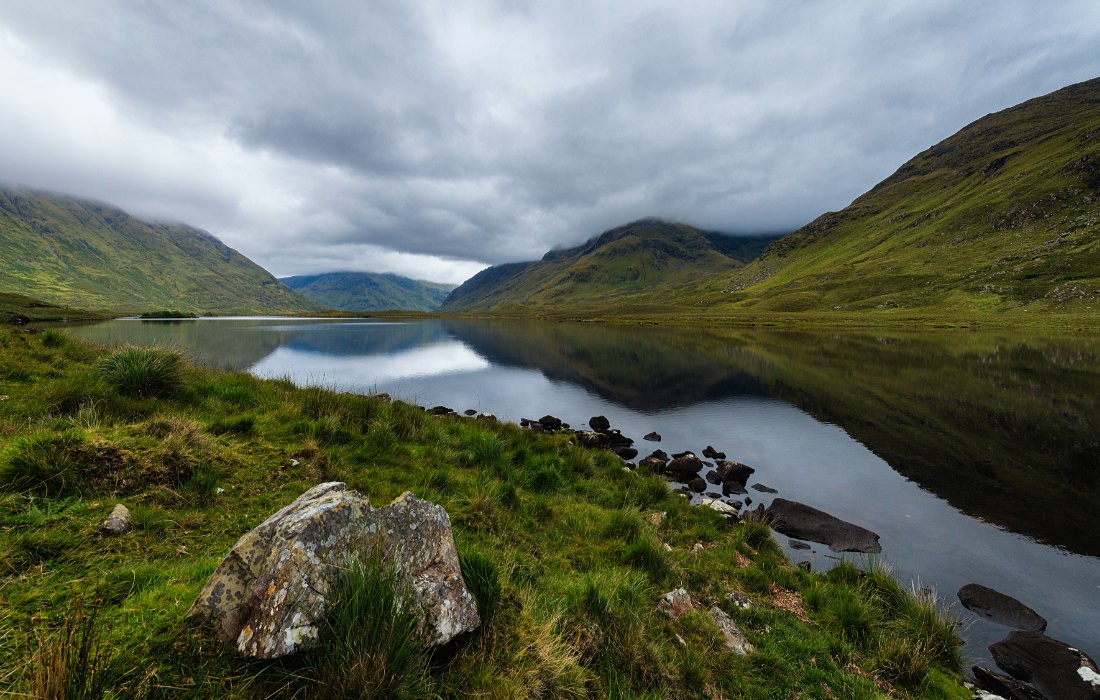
676,603
653,464
697,485
684,468
735,639
1054,668
119,522
733,488
739,600
659,454
1000,608
269,594
626,452
652,437
723,508
712,477
798,544
763,489
805,522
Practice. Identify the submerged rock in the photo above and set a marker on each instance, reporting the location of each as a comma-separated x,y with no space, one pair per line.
1000,608
763,489
1002,686
805,522
269,594
710,453
1056,669
599,423
734,471
119,522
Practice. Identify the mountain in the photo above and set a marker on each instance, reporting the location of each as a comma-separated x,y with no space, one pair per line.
92,255
999,218
368,291
637,265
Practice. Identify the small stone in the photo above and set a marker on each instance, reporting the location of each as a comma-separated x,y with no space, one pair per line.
798,544
470,412
739,600
735,639
697,485
119,522
763,489
652,437
711,453
697,547
720,506
676,603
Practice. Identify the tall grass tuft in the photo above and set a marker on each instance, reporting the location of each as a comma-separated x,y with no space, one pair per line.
52,338
46,463
368,645
483,579
145,372
73,663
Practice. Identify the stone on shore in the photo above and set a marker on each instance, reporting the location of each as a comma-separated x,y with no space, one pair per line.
1054,668
599,423
270,593
119,522
1000,608
805,522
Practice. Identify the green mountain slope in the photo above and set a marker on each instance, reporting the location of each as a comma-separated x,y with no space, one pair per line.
92,255
368,291
635,265
1000,218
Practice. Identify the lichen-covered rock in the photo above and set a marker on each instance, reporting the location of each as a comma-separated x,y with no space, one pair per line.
119,522
270,592
731,633
676,603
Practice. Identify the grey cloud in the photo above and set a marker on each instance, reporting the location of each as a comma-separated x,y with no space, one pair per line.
493,131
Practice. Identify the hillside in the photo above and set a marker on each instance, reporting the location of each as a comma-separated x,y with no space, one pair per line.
638,264
368,291
998,219
92,255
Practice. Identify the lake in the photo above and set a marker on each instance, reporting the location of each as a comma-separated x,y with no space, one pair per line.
975,456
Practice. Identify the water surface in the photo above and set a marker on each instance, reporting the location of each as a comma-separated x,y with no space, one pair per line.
974,456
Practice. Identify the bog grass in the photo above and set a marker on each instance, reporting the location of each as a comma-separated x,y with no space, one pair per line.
557,545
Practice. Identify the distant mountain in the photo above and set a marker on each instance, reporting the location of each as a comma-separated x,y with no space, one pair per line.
91,255
368,291
1001,217
636,266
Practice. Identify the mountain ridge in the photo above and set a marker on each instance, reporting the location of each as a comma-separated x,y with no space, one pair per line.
369,291
93,255
635,263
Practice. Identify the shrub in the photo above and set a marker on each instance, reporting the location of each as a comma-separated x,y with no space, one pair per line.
367,644
483,580
53,338
146,372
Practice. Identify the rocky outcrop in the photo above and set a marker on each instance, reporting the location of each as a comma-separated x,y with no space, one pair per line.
1054,668
119,522
805,522
1000,608
269,594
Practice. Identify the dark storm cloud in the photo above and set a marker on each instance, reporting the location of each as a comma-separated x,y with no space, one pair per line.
415,136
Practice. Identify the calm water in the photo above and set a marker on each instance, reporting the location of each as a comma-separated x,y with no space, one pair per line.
976,457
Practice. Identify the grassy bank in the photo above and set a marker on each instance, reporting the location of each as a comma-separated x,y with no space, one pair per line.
564,536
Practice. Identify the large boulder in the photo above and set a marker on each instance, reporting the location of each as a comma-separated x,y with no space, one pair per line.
269,594
729,470
1056,669
684,468
805,522
1000,608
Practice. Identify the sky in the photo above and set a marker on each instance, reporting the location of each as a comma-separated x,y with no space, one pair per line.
432,138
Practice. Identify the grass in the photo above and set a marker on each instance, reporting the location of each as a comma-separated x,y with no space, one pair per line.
136,371
556,544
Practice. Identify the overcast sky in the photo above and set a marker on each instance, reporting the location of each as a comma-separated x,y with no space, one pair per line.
432,138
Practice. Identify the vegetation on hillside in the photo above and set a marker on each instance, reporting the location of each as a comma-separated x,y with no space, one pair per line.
91,255
21,309
998,220
369,291
640,263
561,545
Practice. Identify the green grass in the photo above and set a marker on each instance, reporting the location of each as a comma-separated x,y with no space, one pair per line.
135,371
555,542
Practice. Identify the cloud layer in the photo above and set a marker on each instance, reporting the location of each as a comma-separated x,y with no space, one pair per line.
431,138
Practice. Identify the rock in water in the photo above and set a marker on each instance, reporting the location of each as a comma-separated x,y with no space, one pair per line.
1056,669
599,423
804,522
1000,608
1004,686
652,437
119,522
270,592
